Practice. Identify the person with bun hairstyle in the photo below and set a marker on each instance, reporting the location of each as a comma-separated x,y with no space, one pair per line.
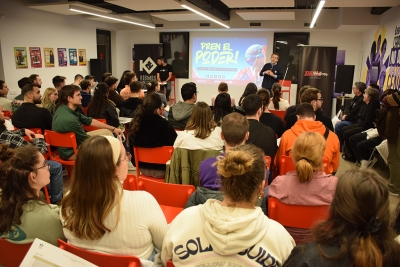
308,184
357,232
233,231
277,102
149,129
97,214
24,216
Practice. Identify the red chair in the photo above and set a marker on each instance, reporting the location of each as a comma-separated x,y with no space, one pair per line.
130,183
279,113
172,198
157,155
12,254
92,128
66,140
297,216
287,165
7,113
85,110
100,259
170,264
267,164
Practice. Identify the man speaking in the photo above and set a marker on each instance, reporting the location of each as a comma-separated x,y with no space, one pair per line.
272,72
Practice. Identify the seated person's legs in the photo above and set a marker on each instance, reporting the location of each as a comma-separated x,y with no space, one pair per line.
338,129
56,181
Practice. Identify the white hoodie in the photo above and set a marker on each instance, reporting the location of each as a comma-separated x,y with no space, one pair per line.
214,235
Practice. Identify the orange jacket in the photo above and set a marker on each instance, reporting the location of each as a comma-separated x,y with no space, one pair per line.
332,150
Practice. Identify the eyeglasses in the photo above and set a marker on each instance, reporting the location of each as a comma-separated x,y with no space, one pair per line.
320,99
128,157
46,165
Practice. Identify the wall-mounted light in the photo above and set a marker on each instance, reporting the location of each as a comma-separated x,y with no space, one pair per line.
319,8
192,8
107,16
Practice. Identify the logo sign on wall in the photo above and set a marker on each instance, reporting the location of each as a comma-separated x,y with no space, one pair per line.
317,69
145,61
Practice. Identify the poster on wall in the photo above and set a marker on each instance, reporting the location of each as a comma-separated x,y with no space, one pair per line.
62,57
73,57
82,57
48,57
176,52
36,57
21,59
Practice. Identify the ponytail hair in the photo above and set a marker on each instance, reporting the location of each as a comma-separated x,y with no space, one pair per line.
151,86
276,89
242,170
151,103
307,153
14,172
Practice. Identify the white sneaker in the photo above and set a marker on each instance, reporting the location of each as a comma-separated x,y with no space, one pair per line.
131,167
368,164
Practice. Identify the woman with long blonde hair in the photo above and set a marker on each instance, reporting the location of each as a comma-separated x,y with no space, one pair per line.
49,99
201,130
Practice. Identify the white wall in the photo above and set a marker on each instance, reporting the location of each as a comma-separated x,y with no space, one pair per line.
26,27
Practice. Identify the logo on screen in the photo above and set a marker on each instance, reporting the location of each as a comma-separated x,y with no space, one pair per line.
148,65
313,73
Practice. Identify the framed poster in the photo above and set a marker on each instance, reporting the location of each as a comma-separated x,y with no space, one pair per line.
176,52
36,57
82,57
62,57
48,57
20,56
73,57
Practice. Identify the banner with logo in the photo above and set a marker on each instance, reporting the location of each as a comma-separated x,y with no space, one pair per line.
317,69
146,61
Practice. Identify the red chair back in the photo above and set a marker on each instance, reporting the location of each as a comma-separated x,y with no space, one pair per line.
157,155
92,128
35,130
279,113
130,183
7,113
12,254
174,195
287,165
170,264
67,140
100,259
298,216
268,161
85,110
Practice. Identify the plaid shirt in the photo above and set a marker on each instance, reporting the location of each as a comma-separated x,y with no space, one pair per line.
15,139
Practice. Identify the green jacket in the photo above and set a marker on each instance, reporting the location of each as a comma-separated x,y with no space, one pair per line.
185,164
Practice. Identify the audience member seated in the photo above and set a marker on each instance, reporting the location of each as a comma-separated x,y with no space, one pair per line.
130,104
350,113
306,123
362,145
77,79
222,107
23,214
6,103
260,135
111,81
101,107
223,88
149,129
97,214
229,230
19,99
49,99
129,78
365,120
105,75
270,119
179,113
308,184
16,139
235,131
28,115
250,89
92,81
201,131
121,84
67,119
358,231
85,93
277,102
58,82
154,87
312,96
292,109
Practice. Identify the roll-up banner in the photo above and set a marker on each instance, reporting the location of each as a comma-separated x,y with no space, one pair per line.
146,61
317,69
